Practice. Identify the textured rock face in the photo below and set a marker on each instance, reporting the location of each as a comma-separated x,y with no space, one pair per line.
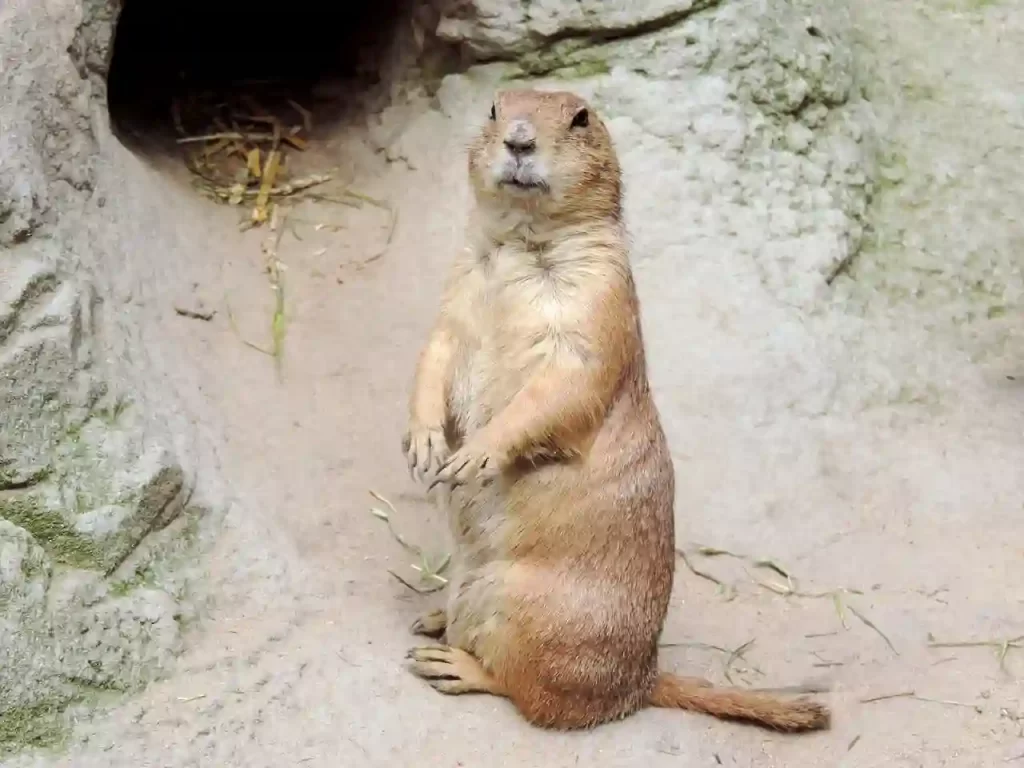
745,113
493,29
90,480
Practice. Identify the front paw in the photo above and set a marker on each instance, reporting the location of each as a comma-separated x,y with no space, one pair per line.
425,448
431,624
474,462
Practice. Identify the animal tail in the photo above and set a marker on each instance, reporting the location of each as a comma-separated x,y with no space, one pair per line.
696,695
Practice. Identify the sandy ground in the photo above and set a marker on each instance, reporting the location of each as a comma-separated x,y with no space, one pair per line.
908,509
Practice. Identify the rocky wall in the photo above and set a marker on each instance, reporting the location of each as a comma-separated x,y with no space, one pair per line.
747,112
97,461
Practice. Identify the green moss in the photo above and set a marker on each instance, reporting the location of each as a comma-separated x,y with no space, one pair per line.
919,91
39,726
182,543
591,68
92,693
10,478
112,414
74,432
35,568
190,529
45,725
144,578
571,59
893,169
61,542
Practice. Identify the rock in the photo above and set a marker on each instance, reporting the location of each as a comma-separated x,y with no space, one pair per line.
92,478
752,102
66,629
493,29
798,137
88,488
25,573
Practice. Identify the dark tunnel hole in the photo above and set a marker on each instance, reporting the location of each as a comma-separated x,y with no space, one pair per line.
177,64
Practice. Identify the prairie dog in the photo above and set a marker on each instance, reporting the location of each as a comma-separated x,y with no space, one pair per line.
531,405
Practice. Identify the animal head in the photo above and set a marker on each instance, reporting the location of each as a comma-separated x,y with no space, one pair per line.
546,153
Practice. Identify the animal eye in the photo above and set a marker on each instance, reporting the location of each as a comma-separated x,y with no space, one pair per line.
494,113
581,119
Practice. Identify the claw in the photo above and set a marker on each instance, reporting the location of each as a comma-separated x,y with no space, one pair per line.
429,653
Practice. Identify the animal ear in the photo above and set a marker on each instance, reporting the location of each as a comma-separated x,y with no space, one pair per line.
581,119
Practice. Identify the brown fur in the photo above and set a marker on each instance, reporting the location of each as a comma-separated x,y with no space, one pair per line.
532,408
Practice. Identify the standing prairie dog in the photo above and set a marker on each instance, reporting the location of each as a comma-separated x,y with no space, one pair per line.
531,405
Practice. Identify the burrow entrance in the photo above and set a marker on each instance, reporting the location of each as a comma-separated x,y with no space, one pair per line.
239,90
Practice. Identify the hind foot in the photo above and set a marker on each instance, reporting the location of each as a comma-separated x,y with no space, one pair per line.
452,670
431,624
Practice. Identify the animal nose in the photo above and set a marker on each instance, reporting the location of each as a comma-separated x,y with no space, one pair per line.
520,146
521,138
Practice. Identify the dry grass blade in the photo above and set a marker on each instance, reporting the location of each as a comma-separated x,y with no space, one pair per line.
691,644
386,517
387,244
179,125
252,162
874,626
275,269
214,147
428,571
305,114
887,696
779,589
788,589
735,655
295,141
278,327
949,703
414,587
716,552
238,332
697,571
837,601
1012,643
823,662
268,177
230,135
281,190
322,197
1003,650
808,687
195,314
839,268
1002,647
377,203
771,565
